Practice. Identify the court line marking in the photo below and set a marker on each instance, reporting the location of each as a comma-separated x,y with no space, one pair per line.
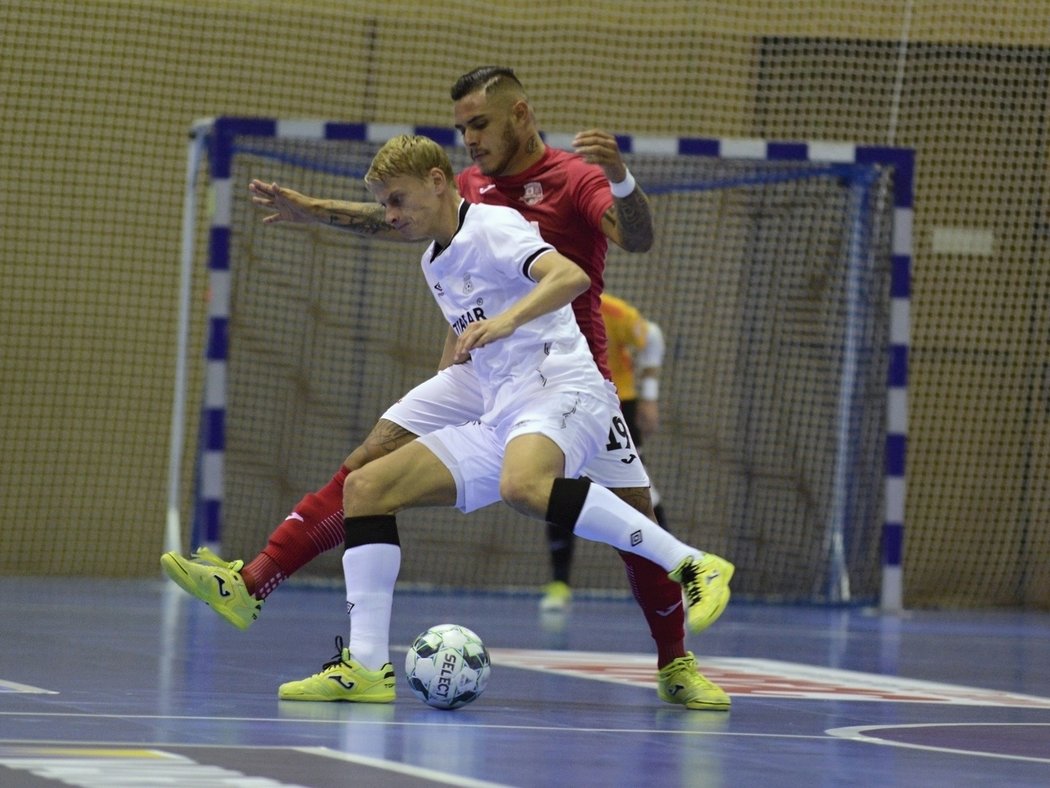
70,759
764,679
545,728
859,733
80,767
14,686
432,775
739,677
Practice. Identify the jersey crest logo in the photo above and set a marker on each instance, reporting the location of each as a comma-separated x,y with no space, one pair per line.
468,285
533,193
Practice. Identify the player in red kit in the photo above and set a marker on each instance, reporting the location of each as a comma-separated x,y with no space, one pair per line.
566,198
579,201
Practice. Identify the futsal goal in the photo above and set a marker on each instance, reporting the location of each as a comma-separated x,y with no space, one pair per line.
780,278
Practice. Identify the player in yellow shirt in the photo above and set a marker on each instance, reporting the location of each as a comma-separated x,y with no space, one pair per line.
635,355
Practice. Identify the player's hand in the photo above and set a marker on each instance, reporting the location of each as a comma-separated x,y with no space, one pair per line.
599,147
287,205
480,334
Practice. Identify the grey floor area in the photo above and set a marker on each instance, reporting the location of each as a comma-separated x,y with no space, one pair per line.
133,683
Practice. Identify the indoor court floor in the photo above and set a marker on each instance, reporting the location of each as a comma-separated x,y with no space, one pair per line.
131,683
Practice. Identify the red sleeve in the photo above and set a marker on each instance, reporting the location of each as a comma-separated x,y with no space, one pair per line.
593,197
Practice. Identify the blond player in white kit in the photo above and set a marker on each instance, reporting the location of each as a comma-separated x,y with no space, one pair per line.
505,293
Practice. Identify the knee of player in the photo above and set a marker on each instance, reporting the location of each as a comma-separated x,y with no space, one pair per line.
526,495
363,495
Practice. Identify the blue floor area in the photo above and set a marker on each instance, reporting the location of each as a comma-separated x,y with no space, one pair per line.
134,682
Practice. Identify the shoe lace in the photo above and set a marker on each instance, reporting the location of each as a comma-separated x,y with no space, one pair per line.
684,673
691,583
686,664
206,556
338,658
696,679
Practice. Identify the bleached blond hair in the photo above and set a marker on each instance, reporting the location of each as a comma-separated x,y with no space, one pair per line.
408,154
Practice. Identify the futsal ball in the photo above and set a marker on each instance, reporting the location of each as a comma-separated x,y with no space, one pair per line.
447,666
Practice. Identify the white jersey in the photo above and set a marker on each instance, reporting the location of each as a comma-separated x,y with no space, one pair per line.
480,274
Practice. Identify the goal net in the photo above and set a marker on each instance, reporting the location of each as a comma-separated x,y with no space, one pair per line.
773,276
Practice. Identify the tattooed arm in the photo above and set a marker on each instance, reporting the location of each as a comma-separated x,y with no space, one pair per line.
629,222
361,218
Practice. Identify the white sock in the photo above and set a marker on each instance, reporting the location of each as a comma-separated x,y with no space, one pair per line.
605,518
370,571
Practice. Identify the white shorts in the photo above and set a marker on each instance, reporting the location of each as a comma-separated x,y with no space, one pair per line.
453,397
473,452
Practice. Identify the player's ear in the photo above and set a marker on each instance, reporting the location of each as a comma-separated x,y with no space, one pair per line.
438,179
521,110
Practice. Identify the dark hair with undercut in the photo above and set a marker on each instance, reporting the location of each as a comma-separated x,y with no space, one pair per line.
487,77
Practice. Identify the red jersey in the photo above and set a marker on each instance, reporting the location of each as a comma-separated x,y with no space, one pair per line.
565,198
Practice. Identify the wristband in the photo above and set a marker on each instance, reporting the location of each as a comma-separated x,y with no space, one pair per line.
649,389
621,189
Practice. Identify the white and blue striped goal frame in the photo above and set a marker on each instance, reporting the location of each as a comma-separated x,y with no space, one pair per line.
219,135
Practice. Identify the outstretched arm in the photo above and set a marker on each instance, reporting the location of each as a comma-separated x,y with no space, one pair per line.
629,222
361,218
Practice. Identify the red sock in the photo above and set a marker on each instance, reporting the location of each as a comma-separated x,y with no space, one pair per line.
314,527
660,599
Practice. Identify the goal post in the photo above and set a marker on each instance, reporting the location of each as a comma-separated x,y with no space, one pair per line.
781,275
195,157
